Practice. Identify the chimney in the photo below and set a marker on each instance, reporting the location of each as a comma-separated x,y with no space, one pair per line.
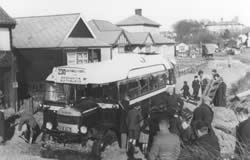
138,12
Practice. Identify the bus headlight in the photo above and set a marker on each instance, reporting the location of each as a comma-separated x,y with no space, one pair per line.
83,129
49,125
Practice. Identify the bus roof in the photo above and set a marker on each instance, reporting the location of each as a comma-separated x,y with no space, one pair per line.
120,68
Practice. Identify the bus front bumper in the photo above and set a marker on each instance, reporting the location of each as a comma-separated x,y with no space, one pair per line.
65,137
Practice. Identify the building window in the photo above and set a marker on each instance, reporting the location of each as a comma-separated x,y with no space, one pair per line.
82,57
4,39
94,55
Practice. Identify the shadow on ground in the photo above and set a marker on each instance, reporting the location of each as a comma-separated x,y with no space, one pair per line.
67,155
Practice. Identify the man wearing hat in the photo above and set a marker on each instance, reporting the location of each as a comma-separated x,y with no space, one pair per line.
220,95
203,112
207,141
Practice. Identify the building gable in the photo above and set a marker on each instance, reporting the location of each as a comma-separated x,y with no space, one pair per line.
122,39
81,30
149,40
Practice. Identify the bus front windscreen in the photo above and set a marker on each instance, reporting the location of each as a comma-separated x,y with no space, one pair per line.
57,92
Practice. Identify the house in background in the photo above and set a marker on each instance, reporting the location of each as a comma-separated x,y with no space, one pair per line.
182,50
44,42
164,46
139,23
111,34
140,42
8,84
220,27
139,28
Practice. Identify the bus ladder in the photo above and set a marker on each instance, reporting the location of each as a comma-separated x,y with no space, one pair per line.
211,88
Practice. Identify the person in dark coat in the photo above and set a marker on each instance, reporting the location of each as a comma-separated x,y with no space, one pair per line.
203,81
134,122
207,141
204,147
123,126
243,132
220,95
185,89
196,87
174,102
203,113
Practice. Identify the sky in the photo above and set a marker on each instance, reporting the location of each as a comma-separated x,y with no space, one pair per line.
165,12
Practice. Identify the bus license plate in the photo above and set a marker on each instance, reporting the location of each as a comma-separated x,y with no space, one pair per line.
67,129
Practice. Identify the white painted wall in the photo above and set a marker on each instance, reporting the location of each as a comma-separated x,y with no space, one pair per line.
4,39
114,52
167,50
105,54
141,28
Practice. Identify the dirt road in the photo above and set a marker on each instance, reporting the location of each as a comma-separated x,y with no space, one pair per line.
230,75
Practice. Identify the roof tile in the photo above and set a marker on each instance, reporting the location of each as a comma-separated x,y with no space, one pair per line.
105,30
137,20
42,31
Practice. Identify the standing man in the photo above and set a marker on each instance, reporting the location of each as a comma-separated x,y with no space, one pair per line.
196,87
134,122
203,81
123,127
166,146
220,95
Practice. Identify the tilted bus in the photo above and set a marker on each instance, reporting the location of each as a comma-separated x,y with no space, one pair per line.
81,99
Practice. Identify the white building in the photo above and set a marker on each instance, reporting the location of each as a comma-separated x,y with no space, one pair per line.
111,34
139,23
222,26
144,35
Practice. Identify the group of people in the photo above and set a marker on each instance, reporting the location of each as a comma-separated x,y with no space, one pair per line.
177,133
200,83
138,129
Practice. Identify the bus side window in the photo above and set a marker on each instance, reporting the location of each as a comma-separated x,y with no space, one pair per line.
134,88
162,80
144,84
171,77
123,90
153,82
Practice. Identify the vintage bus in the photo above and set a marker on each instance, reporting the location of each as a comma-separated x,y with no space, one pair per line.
82,100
